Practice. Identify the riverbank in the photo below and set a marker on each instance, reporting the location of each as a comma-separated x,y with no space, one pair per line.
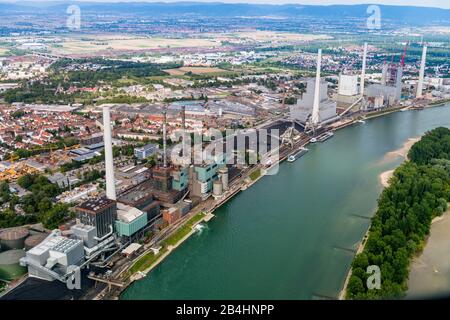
429,275
390,231
384,179
193,264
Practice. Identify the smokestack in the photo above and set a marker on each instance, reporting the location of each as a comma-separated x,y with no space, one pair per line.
315,111
363,72
422,73
165,137
384,73
109,161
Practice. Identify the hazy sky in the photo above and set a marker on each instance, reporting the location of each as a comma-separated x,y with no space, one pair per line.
428,3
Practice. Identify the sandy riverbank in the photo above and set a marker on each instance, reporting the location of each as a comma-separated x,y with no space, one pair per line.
392,155
402,152
384,179
429,274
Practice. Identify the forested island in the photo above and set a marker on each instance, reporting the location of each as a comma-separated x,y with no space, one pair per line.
419,191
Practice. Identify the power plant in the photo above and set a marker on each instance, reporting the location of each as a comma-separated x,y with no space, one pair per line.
110,224
314,107
389,91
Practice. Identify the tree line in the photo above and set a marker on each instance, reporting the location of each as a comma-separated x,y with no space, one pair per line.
418,192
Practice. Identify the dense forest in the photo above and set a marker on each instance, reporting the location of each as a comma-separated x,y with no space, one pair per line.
418,192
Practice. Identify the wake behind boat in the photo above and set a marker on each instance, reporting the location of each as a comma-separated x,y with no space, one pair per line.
299,154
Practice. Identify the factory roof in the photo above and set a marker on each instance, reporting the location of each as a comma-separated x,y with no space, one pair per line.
95,205
146,147
95,146
66,245
48,244
86,156
132,248
83,227
136,193
127,213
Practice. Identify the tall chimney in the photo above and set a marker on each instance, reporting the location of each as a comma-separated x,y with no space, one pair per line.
315,111
165,137
419,93
109,161
363,72
183,128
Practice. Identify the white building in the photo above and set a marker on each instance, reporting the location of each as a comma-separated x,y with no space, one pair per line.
303,109
348,85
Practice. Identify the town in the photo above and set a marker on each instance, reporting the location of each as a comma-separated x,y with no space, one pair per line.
90,141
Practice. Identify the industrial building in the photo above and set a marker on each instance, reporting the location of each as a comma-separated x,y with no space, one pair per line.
93,237
146,151
10,268
391,86
106,225
302,111
315,107
13,238
348,90
51,259
129,220
180,178
87,152
348,85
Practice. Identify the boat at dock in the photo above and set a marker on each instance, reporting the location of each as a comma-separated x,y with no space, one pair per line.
323,137
293,157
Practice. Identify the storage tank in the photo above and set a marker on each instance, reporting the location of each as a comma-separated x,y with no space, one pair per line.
10,269
217,188
13,238
223,172
34,240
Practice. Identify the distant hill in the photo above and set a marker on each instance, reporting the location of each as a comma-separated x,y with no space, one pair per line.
402,14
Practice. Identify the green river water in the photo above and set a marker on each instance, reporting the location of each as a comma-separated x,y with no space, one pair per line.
291,235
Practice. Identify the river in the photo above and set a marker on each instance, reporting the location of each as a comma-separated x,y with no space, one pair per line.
292,235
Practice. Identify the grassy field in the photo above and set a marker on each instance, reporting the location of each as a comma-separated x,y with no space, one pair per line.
147,260
183,231
101,43
93,44
255,174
